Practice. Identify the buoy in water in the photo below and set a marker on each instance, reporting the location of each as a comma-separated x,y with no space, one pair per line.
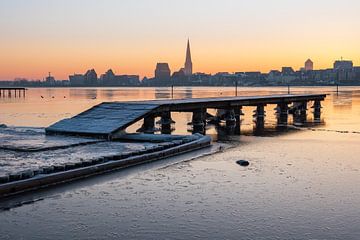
243,163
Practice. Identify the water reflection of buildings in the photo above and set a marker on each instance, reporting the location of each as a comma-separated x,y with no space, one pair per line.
188,92
78,93
108,94
162,93
343,100
178,93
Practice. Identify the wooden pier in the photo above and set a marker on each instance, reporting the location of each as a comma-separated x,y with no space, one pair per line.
12,92
110,118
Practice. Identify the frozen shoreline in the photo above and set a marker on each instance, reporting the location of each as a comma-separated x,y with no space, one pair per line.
58,162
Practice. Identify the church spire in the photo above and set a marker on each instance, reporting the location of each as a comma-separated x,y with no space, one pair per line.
188,62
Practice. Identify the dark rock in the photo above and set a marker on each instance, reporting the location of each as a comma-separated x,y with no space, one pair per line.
243,163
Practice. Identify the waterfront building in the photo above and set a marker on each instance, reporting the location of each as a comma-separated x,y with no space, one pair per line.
77,79
188,68
91,78
286,71
50,80
179,77
343,65
201,79
309,65
108,78
127,80
162,74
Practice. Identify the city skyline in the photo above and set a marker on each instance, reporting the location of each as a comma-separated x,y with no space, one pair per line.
71,36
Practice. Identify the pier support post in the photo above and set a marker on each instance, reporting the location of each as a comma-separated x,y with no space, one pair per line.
283,111
230,117
166,122
199,120
317,110
238,113
260,113
300,113
259,118
148,125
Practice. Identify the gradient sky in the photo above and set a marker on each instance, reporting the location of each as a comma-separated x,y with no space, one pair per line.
131,36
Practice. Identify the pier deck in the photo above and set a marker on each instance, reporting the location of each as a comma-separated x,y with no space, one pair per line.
107,118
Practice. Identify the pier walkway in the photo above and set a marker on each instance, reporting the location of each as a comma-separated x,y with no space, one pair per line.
109,118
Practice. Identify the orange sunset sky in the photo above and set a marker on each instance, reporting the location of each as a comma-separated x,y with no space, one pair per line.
71,36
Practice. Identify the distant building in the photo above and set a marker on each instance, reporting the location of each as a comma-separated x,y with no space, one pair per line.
179,77
88,79
91,78
343,65
108,78
287,71
162,74
77,80
309,65
274,73
188,68
127,80
50,80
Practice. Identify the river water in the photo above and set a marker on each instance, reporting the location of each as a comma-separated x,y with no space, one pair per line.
302,183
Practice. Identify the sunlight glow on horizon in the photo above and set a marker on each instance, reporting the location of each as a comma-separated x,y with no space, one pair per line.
130,37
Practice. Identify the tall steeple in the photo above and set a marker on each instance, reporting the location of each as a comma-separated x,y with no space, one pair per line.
188,63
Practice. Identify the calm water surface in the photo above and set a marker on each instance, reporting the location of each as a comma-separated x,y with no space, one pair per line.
301,184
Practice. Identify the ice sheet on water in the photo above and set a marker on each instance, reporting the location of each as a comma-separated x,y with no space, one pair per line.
34,139
21,138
